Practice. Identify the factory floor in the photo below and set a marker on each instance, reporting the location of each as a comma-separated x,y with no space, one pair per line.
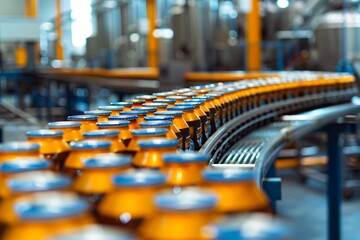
304,208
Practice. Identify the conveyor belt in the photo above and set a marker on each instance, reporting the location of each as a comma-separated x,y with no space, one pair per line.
239,144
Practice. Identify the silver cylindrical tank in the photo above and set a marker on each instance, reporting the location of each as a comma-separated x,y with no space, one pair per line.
330,30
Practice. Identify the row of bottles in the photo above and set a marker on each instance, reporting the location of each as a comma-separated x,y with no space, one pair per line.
131,167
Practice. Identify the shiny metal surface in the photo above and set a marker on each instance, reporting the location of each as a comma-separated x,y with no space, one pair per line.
230,146
329,34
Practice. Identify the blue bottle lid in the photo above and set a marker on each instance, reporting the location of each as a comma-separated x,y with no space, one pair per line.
197,87
146,109
215,94
186,157
262,226
83,118
113,124
98,112
165,101
143,113
123,118
38,181
169,113
124,104
155,124
94,232
19,146
64,124
159,118
205,97
139,178
135,100
189,94
24,164
163,94
149,131
155,105
227,175
177,97
211,85
111,108
181,108
101,133
90,144
188,199
195,104
146,97
107,160
182,90
48,206
44,133
220,232
200,100
158,143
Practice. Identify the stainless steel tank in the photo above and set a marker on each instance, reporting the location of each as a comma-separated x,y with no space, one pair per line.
330,30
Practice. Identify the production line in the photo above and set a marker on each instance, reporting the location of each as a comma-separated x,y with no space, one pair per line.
202,142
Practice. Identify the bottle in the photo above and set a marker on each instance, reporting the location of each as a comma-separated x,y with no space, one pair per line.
96,175
151,152
140,114
206,110
193,122
222,102
82,150
125,135
149,110
25,184
16,149
231,184
52,146
136,102
18,165
158,106
43,214
147,98
219,109
181,91
132,118
126,105
185,169
180,124
178,99
179,215
163,95
169,102
160,124
247,227
173,128
189,95
102,115
203,119
144,134
93,231
72,132
115,109
132,200
108,135
88,122
214,116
